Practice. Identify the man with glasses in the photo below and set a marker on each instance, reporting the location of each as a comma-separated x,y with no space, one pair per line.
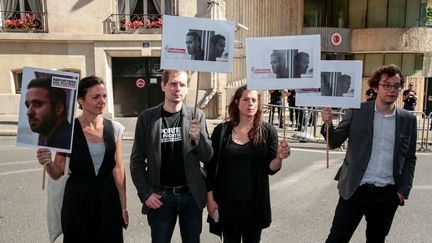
377,173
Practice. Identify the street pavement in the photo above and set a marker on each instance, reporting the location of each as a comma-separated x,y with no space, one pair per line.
303,196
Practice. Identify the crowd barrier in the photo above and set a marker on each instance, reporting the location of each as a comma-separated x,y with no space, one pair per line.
306,123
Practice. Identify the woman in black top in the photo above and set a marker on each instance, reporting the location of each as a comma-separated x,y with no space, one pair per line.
94,203
246,152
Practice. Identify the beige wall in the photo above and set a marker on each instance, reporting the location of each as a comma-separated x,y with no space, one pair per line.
15,56
70,16
418,40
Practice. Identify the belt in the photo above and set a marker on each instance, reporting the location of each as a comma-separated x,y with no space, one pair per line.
373,188
175,189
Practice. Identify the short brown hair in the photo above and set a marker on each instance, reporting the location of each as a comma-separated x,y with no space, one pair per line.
167,72
391,70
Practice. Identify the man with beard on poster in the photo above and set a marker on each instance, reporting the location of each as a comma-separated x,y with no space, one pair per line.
47,113
193,44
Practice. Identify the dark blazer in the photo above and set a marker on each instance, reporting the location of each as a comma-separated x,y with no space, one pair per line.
357,125
145,162
264,154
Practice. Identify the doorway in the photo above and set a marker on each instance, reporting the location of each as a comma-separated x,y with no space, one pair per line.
136,84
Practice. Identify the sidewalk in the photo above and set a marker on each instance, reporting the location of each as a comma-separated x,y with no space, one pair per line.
9,125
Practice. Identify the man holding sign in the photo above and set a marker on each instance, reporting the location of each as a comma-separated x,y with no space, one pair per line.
377,173
170,141
47,113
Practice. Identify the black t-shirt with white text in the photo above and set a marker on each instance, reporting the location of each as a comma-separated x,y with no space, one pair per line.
172,166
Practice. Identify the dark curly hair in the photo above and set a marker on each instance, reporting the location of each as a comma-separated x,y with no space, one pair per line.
390,70
255,134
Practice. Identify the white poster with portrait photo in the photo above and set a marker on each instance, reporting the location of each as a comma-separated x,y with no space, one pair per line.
47,109
340,86
197,44
283,62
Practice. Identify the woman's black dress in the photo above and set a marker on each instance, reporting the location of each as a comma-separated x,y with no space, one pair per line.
91,209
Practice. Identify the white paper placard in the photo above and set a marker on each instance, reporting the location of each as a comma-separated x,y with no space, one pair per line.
340,86
283,62
197,44
41,122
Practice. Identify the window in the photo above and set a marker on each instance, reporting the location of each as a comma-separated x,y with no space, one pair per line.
393,59
377,13
386,13
339,13
314,13
139,7
17,78
332,13
21,14
372,61
412,14
410,64
396,13
418,64
357,13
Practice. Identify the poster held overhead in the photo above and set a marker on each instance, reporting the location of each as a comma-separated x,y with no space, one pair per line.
283,62
197,44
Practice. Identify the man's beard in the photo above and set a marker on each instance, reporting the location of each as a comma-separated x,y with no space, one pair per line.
46,126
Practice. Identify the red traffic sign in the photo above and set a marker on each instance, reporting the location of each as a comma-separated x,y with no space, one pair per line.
140,83
336,39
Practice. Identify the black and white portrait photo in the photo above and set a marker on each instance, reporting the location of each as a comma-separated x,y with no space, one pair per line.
340,86
290,64
336,84
206,45
284,62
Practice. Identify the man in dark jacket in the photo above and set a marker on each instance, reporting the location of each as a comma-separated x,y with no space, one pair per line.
378,170
170,141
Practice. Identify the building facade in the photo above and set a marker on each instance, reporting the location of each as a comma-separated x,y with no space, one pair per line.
120,40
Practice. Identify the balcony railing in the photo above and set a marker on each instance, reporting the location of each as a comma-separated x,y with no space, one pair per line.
133,24
12,21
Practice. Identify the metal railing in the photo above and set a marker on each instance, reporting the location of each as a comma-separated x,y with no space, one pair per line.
133,24
424,136
306,123
12,21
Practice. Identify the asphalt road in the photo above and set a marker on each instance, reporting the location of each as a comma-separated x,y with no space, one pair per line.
303,198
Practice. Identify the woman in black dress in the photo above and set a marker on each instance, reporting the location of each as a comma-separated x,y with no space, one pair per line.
94,204
246,152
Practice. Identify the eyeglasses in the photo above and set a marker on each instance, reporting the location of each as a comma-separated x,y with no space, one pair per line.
397,87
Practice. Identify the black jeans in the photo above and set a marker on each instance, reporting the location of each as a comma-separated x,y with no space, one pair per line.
378,205
238,217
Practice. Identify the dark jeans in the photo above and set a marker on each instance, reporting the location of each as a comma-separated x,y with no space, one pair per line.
163,220
280,113
377,205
